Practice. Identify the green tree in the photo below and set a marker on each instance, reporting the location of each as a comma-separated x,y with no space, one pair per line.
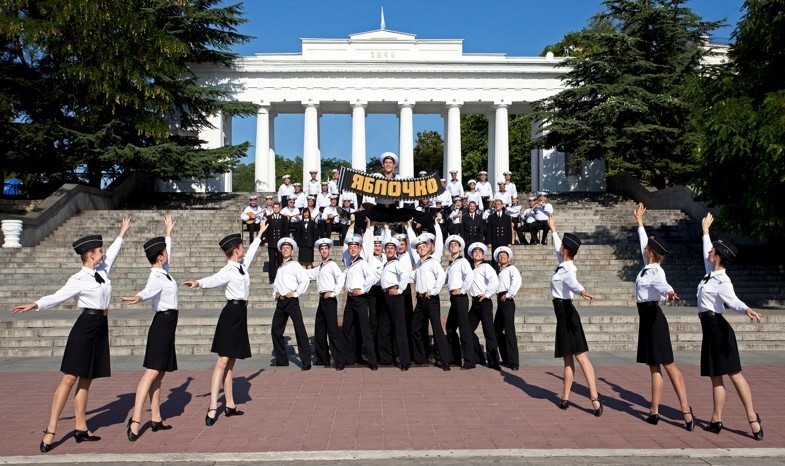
579,44
741,117
429,152
243,178
101,87
626,99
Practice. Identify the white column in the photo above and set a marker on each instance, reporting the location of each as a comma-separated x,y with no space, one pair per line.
358,135
262,150
310,138
501,145
445,168
405,139
491,147
453,137
271,157
226,140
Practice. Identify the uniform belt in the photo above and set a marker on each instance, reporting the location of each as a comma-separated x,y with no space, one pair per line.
237,301
459,294
708,313
322,293
503,293
422,295
478,299
394,287
169,312
281,298
95,312
560,300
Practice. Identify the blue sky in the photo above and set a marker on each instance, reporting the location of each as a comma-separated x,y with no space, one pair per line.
514,27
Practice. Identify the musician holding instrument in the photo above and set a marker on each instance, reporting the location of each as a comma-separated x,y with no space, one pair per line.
251,217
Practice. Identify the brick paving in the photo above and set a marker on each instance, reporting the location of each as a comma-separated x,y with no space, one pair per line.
422,409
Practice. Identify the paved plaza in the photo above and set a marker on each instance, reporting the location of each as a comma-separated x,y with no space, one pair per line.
423,416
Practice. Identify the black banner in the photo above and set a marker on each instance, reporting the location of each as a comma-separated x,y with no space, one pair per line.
383,189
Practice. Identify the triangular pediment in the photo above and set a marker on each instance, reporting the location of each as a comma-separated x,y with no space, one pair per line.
383,34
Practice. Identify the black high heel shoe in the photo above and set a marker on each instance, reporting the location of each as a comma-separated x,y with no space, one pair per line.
598,411
45,447
84,436
229,412
691,424
714,427
156,426
564,404
131,435
208,421
653,419
759,434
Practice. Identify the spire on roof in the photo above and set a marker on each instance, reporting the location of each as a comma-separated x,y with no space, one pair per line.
383,27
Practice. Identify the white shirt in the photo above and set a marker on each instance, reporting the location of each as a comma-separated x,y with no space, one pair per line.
360,275
328,276
476,197
246,215
236,285
484,188
284,191
484,282
510,187
332,186
716,289
313,187
348,195
445,198
528,215
455,187
161,288
505,197
302,201
459,275
328,211
514,211
509,281
323,199
429,276
650,284
543,212
395,273
290,277
293,213
82,286
564,281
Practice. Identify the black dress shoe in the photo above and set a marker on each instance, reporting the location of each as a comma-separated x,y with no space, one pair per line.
208,421
467,366
564,404
306,368
495,367
45,447
156,426
132,437
229,412
84,436
715,427
653,419
598,411
405,367
339,368
691,424
445,367
373,367
759,434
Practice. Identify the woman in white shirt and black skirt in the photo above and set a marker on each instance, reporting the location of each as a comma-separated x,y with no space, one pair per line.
654,338
719,351
86,355
159,356
230,341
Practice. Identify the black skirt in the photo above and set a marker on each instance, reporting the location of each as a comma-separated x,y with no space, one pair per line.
570,338
87,350
231,333
654,338
160,354
719,351
305,255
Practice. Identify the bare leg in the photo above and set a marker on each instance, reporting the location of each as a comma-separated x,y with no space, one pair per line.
58,403
155,397
743,389
656,388
216,380
718,393
228,392
80,403
142,389
588,372
569,375
678,386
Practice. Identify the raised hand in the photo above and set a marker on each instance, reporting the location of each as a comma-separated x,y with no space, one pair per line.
706,223
168,225
638,213
124,226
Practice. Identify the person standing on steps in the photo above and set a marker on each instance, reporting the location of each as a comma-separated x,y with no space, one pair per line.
719,350
86,355
230,341
277,228
290,283
570,342
654,339
159,357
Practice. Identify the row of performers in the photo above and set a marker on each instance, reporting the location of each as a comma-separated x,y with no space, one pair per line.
397,267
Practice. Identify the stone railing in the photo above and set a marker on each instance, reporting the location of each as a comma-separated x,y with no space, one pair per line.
674,197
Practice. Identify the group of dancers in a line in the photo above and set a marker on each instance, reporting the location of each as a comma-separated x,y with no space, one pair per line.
86,355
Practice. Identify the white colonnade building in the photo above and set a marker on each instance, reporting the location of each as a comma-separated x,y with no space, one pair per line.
392,72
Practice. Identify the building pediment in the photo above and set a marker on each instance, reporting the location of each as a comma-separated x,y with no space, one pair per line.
383,35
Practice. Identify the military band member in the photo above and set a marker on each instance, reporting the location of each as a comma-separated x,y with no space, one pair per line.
86,355
485,189
428,279
498,231
277,228
251,217
474,196
314,185
454,185
503,195
529,224
230,341
333,183
292,215
509,184
459,279
291,282
504,322
483,287
286,189
330,220
300,197
395,278
329,282
267,209
323,198
359,278
542,213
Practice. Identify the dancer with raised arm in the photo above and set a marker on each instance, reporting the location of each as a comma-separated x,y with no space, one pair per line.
159,356
570,340
654,339
230,341
86,355
719,351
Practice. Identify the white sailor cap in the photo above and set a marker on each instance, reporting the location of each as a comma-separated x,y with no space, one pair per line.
401,237
454,171
502,249
507,173
392,241
543,193
442,180
286,176
311,196
472,181
532,198
313,171
430,236
268,197
456,238
423,239
289,241
355,239
324,183
483,172
334,196
500,182
335,170
422,173
252,196
323,242
388,155
297,185
478,245
377,239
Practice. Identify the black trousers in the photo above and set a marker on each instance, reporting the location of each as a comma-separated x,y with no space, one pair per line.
252,229
408,312
533,230
284,309
276,260
458,321
504,324
482,312
392,214
543,226
396,310
427,309
357,309
326,327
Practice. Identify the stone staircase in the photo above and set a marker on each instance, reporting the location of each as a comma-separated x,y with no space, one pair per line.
608,263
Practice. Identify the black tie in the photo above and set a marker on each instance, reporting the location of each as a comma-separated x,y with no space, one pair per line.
643,273
557,269
242,272
99,278
168,277
705,279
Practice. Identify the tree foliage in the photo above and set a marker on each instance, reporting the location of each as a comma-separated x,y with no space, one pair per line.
626,98
97,87
741,117
429,152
